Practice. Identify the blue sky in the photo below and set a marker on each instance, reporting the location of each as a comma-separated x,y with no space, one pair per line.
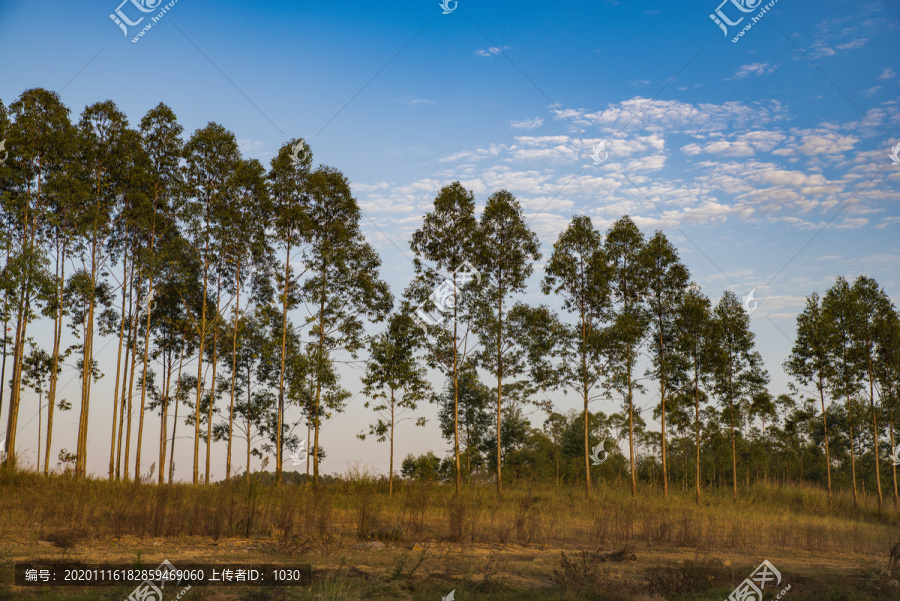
765,161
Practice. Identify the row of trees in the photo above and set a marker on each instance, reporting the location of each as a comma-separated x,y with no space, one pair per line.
183,251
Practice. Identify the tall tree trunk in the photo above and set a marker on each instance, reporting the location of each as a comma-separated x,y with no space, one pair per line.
134,331
200,364
140,436
894,466
662,394
212,388
456,396
733,446
499,386
175,418
697,421
319,360
875,434
391,464
164,415
27,245
237,317
852,451
88,369
279,443
827,451
631,430
54,373
112,444
584,393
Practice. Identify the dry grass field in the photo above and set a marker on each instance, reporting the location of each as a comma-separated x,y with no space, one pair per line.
536,542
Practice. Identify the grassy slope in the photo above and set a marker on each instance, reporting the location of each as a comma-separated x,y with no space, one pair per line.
537,542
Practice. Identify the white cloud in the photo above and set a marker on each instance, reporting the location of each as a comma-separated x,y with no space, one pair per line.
492,51
753,69
887,73
527,123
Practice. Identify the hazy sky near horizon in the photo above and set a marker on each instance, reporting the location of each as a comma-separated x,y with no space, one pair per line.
766,161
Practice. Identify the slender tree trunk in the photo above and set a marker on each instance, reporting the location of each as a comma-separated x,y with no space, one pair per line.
584,393
894,466
140,436
827,451
875,434
852,451
391,468
284,305
662,394
319,360
455,395
88,369
175,418
237,317
125,375
697,421
27,245
54,373
200,365
37,466
212,388
134,330
164,415
631,430
733,445
112,444
499,388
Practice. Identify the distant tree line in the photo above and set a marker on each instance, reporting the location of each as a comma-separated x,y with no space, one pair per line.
235,292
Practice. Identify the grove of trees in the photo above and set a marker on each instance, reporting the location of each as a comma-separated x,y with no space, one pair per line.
233,293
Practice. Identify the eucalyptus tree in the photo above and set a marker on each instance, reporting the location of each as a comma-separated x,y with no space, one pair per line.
395,381
61,227
578,272
108,151
342,286
288,182
446,239
737,368
809,361
163,147
39,136
245,247
692,343
838,308
212,155
505,254
629,316
667,281
876,320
